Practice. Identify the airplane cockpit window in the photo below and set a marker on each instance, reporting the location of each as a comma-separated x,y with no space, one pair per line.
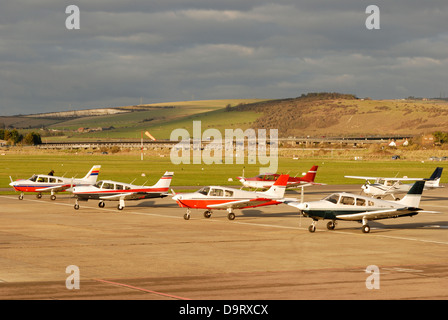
60,180
216,192
98,184
347,200
204,191
119,187
228,193
42,179
107,185
52,180
127,188
360,202
33,178
333,198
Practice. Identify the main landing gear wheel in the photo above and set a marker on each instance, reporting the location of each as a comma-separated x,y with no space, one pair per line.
207,214
231,216
53,197
331,225
365,228
76,206
101,204
39,195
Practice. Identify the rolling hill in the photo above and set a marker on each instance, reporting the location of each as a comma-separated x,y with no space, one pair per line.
318,114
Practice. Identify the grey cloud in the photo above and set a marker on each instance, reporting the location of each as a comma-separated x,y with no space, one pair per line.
175,50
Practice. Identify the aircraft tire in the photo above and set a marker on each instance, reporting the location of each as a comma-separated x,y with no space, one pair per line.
53,197
365,228
231,216
101,204
331,225
76,206
312,228
21,197
186,216
120,207
207,214
39,195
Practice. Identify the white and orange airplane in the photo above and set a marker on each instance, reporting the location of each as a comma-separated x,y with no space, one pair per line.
264,181
223,198
108,190
42,183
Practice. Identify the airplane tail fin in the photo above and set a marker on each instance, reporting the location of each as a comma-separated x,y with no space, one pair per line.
434,180
311,174
165,181
412,198
92,175
277,190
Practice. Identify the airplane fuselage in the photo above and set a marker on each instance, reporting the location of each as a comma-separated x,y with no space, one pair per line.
214,195
341,204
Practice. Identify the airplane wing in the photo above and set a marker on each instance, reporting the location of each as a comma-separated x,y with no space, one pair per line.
55,188
378,214
304,184
240,203
375,178
124,196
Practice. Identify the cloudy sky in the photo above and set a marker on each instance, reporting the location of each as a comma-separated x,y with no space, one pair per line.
176,50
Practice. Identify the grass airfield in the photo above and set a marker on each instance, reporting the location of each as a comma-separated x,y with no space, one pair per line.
128,167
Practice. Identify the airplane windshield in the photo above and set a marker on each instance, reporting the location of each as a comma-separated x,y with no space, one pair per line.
33,178
333,198
98,184
204,191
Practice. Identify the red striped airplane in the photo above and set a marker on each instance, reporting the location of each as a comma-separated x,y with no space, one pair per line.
223,198
42,183
108,190
264,181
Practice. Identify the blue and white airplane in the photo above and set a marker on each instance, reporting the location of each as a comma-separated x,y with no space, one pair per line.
383,187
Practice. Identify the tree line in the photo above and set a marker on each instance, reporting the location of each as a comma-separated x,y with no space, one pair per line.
14,137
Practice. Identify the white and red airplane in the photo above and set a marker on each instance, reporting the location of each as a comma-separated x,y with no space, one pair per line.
108,190
42,183
264,181
223,198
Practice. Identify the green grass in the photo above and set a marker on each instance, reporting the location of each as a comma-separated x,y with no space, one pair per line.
161,121
126,168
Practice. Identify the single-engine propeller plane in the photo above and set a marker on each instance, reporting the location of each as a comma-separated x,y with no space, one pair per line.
383,187
351,207
108,190
42,183
223,198
265,181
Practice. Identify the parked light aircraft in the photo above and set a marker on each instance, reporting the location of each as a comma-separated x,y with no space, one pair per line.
107,190
265,181
41,183
351,207
223,198
392,186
